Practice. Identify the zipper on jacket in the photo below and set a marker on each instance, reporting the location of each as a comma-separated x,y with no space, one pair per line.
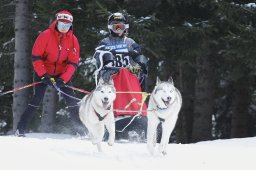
60,47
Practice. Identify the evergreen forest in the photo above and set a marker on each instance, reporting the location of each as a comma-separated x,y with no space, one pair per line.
207,46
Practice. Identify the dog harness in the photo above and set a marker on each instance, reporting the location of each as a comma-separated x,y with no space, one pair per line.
161,119
99,116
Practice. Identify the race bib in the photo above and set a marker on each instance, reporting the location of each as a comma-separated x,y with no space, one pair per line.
121,57
121,60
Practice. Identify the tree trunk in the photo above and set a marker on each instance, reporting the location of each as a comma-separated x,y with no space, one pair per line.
203,105
240,115
22,59
184,123
49,110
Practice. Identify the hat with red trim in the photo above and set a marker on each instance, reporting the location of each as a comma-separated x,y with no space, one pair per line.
64,16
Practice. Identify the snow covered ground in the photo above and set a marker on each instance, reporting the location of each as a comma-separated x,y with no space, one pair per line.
63,152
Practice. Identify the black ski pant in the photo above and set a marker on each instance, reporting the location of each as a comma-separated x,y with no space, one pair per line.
39,92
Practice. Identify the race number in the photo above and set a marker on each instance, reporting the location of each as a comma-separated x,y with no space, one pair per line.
121,60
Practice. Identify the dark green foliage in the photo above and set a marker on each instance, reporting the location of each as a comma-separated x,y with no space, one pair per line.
6,61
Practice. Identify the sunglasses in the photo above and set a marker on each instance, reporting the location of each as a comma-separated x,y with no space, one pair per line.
63,24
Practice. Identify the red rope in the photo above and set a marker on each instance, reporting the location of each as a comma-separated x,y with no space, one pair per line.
78,89
20,88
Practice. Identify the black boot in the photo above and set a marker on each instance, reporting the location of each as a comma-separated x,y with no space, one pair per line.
20,131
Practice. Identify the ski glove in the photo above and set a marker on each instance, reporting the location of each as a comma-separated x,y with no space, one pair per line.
134,69
59,82
46,79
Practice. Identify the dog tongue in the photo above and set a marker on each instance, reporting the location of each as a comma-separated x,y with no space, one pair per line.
105,105
166,103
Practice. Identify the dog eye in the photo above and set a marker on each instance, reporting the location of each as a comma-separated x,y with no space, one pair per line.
102,91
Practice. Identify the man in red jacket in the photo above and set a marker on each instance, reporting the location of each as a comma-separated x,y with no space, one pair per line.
55,56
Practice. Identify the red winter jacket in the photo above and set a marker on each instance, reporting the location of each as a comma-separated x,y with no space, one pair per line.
56,53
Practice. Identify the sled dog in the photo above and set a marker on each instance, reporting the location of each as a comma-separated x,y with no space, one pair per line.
163,107
96,112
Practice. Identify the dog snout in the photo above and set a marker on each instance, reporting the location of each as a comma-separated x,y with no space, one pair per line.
169,98
105,99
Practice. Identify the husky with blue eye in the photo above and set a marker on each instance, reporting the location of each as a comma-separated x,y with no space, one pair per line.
96,112
163,107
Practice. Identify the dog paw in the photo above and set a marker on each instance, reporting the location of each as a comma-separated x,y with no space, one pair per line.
164,153
161,150
99,147
110,143
151,150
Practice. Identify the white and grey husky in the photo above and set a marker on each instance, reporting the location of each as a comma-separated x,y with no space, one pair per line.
163,107
96,112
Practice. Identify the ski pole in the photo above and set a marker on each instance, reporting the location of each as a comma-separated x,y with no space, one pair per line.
19,88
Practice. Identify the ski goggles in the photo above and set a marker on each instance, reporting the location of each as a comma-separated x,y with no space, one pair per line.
63,24
115,27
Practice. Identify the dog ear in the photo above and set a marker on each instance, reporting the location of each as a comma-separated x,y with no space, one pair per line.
170,80
110,81
158,81
101,81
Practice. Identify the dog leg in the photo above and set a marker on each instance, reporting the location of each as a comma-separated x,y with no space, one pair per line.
99,147
111,130
163,143
151,134
100,133
98,136
167,128
155,139
97,132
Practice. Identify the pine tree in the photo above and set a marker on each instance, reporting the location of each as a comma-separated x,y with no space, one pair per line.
22,58
6,61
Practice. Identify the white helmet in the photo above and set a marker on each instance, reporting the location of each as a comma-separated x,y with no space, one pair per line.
117,23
